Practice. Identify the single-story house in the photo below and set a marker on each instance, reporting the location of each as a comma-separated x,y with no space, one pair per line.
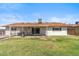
41,28
48,29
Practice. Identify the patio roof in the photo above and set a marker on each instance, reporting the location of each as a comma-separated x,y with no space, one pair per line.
47,24
73,25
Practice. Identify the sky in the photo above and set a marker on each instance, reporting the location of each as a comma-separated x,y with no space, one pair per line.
30,12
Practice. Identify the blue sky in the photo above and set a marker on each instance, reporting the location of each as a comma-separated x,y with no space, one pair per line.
30,12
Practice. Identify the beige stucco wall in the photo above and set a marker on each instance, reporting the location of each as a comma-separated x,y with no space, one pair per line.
28,31
50,32
9,32
43,31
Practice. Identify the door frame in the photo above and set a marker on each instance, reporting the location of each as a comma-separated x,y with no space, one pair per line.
36,31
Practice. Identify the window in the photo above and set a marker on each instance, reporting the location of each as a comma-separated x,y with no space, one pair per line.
56,29
13,28
49,28
7,28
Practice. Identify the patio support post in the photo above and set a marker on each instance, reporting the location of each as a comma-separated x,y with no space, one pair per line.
16,31
22,32
10,30
2,33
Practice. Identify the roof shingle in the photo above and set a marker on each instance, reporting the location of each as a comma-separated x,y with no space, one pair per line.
52,24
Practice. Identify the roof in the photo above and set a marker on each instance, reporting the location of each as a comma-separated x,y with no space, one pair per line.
47,24
73,25
77,25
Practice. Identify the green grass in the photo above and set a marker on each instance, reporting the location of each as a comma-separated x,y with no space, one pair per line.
52,46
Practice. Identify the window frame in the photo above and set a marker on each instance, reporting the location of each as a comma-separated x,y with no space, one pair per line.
57,29
13,29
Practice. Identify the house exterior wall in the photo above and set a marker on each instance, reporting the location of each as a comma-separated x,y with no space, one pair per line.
50,32
43,31
26,30
10,32
2,31
7,33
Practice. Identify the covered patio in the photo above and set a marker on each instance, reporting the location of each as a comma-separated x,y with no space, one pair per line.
26,31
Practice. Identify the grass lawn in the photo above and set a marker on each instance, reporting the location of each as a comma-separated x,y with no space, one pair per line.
49,46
